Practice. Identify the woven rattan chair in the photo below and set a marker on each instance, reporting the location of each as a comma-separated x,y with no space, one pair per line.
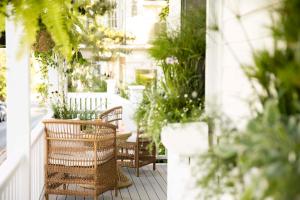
137,152
80,155
112,116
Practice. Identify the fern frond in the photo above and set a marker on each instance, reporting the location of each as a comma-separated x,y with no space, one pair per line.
53,16
27,12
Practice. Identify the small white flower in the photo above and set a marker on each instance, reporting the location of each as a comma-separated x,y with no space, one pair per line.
185,96
185,109
194,94
171,60
292,157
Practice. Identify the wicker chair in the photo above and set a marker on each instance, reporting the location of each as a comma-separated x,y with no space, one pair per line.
127,152
138,152
80,155
112,116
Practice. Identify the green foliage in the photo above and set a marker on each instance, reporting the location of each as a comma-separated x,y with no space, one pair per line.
65,21
2,14
278,71
124,93
165,12
51,12
181,54
86,75
263,161
179,96
57,28
42,89
98,85
2,76
157,109
145,77
2,83
62,110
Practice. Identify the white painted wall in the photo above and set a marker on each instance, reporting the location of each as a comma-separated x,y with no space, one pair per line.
142,25
227,87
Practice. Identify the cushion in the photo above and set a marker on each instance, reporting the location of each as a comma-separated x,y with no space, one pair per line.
132,138
84,159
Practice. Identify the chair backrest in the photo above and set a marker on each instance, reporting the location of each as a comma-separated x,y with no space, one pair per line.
79,143
112,116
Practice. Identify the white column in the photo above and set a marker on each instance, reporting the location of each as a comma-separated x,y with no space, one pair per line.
53,78
214,46
230,47
18,100
111,86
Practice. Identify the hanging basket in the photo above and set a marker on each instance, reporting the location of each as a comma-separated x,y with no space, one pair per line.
44,42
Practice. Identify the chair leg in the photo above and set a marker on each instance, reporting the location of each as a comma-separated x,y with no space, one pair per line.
137,161
96,197
137,172
46,196
64,186
116,191
154,155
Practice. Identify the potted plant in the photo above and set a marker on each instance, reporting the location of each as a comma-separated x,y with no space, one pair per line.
171,109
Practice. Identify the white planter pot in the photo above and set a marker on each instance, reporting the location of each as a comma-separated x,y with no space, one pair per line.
185,139
184,142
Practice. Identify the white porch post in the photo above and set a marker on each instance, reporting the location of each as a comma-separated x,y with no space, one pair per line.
53,77
214,47
18,100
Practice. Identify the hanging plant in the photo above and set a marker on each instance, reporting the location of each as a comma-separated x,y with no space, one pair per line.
44,42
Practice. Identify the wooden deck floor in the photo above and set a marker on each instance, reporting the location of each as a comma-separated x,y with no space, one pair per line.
151,185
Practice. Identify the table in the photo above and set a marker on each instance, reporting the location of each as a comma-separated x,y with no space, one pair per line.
123,181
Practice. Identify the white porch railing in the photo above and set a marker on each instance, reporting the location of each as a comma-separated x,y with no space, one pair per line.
37,160
11,174
88,101
12,169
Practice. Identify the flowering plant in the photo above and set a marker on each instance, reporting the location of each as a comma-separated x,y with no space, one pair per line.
59,106
179,95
